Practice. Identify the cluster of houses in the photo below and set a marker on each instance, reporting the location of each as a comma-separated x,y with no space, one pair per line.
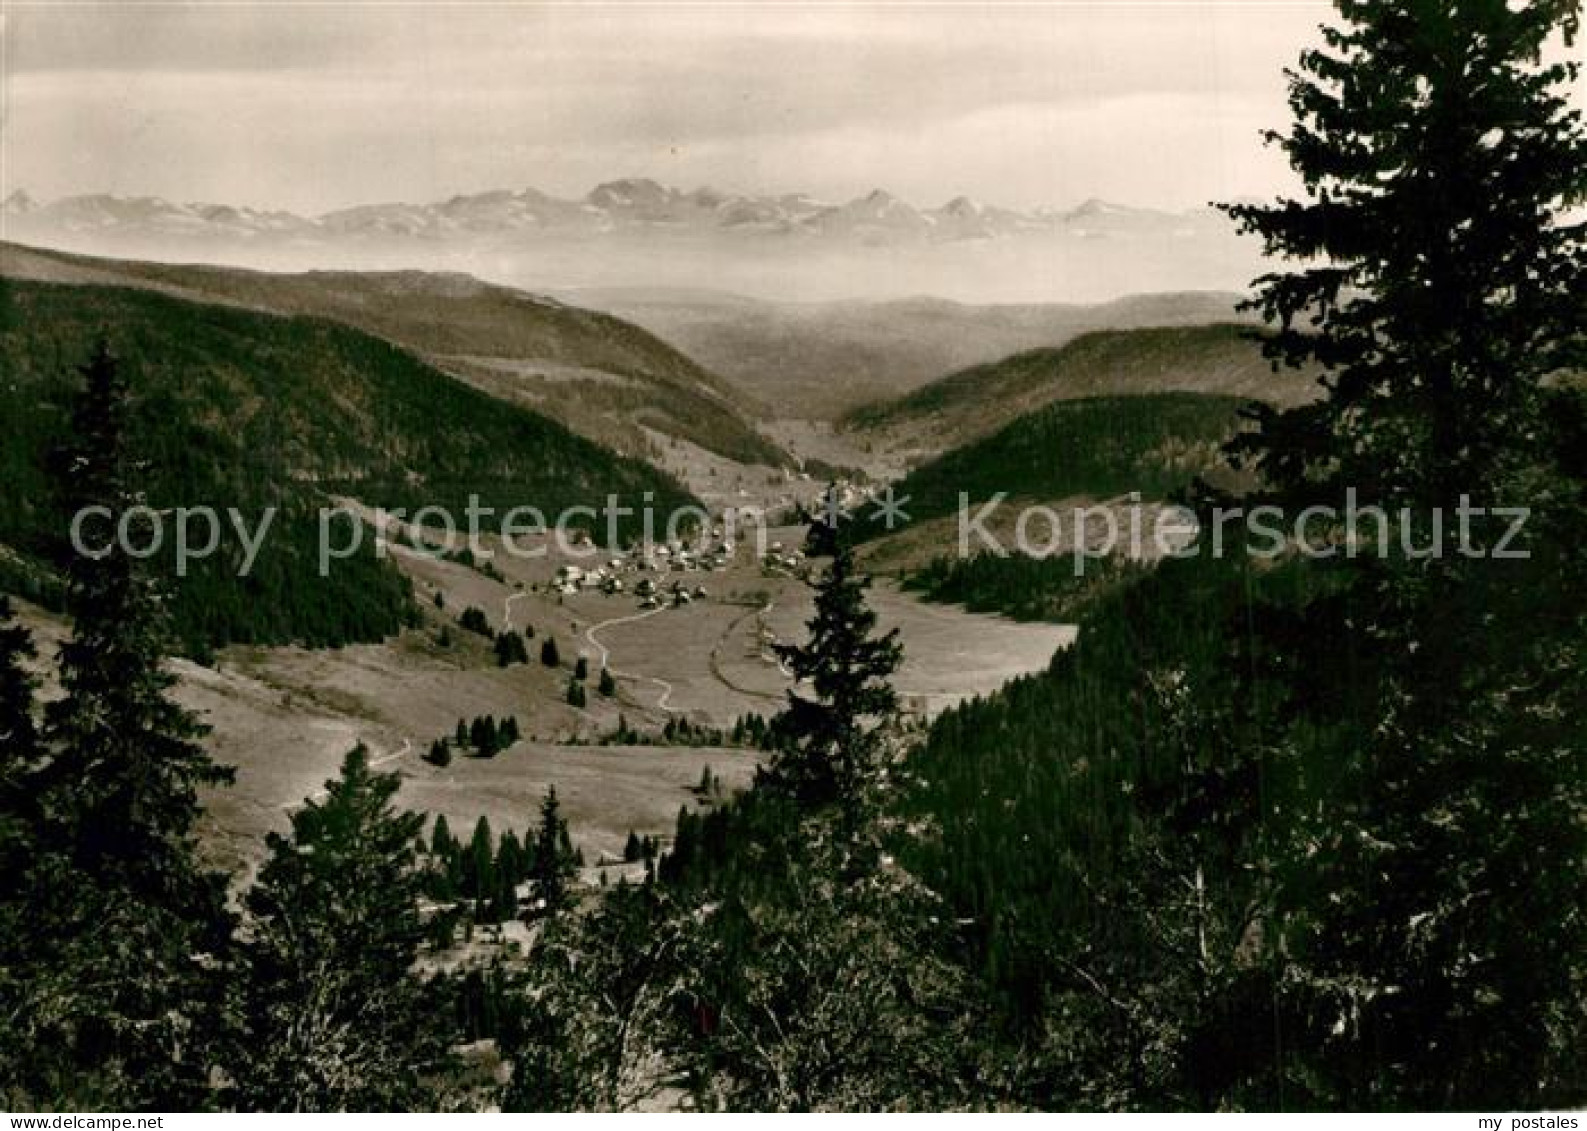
643,571
781,561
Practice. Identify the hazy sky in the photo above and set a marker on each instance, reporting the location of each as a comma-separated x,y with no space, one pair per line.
312,106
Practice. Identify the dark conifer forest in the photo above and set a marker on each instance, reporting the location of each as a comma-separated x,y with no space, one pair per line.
1154,444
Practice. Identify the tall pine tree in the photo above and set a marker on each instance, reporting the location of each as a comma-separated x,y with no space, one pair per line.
1436,280
1436,276
828,744
553,865
126,928
122,785
335,1017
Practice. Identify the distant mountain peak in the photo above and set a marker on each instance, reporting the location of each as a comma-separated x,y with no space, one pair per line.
1096,206
880,202
617,208
629,190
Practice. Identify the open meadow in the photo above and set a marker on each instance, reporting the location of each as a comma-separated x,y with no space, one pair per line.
285,716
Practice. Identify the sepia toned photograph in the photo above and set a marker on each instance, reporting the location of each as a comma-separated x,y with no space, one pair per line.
702,556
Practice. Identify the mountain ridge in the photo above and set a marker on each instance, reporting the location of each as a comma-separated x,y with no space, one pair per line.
233,407
787,354
1219,359
511,343
626,203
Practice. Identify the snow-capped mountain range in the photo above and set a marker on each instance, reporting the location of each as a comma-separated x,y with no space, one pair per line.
640,233
632,205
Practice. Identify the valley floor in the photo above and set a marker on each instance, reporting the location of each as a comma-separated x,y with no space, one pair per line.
284,717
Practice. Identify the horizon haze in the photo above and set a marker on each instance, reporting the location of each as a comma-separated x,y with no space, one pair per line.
311,109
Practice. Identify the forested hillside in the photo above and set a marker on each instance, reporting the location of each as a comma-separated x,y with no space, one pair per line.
239,409
1096,446
1223,360
1055,587
599,375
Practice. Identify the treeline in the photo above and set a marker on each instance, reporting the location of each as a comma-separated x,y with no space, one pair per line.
465,556
1021,586
492,879
752,731
641,849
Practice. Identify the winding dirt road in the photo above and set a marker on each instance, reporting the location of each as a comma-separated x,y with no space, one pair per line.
664,703
716,657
